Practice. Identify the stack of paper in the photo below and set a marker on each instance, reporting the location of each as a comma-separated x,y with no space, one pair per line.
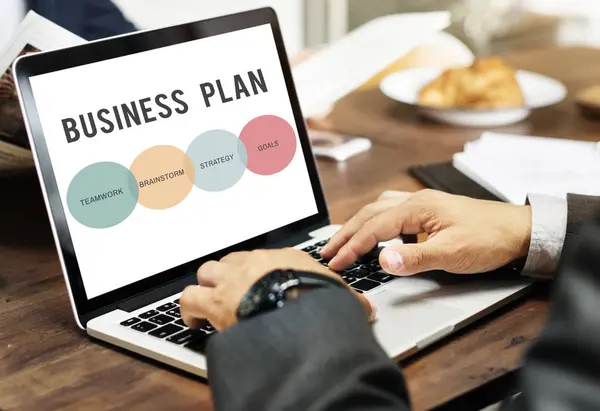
512,166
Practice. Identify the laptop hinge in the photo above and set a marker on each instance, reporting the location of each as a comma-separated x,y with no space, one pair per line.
156,294
292,240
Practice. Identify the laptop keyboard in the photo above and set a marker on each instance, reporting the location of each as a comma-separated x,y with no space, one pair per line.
164,321
363,276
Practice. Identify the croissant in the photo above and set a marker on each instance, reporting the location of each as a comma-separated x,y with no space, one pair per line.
487,83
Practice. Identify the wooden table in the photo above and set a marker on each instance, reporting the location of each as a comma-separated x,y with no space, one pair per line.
47,363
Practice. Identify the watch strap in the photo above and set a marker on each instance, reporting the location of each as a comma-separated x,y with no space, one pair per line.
308,279
271,290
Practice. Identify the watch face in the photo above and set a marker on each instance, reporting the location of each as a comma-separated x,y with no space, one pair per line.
265,294
252,299
247,306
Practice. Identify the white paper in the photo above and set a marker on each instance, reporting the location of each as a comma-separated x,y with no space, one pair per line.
336,146
40,33
512,166
347,63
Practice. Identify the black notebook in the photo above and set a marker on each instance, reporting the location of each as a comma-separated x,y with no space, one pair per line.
444,177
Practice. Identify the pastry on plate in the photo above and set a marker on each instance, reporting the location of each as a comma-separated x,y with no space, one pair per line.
588,102
488,83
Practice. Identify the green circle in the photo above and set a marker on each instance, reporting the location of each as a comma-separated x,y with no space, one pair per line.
102,195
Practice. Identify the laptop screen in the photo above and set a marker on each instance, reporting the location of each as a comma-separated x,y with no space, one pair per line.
167,155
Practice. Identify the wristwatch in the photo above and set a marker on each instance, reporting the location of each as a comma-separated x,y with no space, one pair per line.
273,290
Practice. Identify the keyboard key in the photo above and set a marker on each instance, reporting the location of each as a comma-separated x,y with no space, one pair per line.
186,336
367,259
365,285
206,326
165,331
176,301
374,267
309,248
348,279
144,326
166,307
148,314
381,277
315,254
358,273
161,319
199,344
174,312
131,321
180,322
322,243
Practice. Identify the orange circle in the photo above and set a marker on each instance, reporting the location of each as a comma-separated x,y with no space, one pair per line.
164,176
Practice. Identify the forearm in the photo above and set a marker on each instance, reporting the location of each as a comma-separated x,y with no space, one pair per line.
317,353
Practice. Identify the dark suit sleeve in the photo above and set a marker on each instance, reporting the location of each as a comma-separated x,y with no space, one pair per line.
317,353
556,223
89,19
581,210
562,370
102,18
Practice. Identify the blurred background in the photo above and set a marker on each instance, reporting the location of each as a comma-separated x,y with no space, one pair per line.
486,26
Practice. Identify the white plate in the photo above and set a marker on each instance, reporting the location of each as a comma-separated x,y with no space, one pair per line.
538,91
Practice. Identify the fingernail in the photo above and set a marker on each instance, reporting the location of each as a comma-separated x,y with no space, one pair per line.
373,315
393,259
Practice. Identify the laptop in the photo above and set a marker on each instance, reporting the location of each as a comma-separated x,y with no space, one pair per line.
163,149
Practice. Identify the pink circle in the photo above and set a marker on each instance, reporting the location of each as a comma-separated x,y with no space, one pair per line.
271,144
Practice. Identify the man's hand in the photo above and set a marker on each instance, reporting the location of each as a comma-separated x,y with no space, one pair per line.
463,235
222,284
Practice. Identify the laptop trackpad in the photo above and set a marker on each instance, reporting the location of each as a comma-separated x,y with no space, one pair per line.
404,321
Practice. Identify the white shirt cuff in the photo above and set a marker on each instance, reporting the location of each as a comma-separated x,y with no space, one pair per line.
548,230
